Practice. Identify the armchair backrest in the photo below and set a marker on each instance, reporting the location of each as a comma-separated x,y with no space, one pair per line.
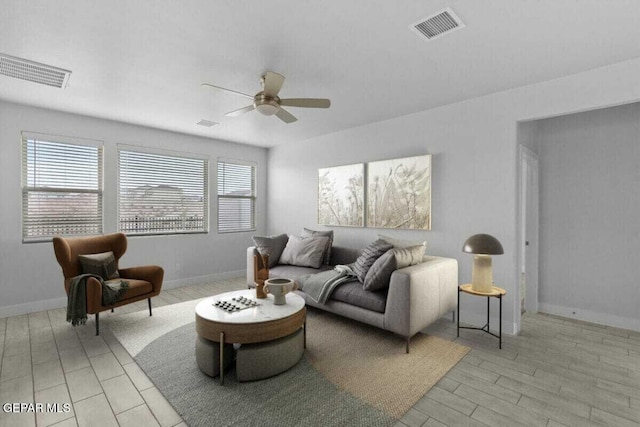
68,250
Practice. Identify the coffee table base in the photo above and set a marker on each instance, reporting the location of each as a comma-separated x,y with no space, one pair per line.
263,360
208,356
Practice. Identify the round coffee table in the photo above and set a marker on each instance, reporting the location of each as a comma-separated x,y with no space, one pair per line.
263,323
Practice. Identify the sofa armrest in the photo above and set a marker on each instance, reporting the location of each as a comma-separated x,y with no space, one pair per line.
421,294
151,273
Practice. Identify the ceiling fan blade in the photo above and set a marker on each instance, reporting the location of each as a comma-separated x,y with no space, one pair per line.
227,90
306,102
240,111
272,82
286,116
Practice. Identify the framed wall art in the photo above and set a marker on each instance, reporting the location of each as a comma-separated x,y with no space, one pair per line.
399,193
341,195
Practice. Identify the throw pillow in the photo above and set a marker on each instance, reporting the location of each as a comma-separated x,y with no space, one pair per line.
399,243
304,251
313,233
408,256
102,264
379,274
272,246
369,255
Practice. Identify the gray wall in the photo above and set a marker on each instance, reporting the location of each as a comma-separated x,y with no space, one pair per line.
30,278
474,181
590,204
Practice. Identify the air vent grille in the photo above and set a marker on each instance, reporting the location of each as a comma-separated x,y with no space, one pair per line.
437,25
206,123
35,72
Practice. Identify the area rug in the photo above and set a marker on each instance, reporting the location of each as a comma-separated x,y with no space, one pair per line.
352,374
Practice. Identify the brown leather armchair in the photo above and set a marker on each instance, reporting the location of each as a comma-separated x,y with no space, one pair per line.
144,282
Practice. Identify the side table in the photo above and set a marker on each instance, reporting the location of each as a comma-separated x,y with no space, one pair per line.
496,292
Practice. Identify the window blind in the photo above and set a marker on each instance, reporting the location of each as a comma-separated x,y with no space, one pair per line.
236,197
61,187
162,193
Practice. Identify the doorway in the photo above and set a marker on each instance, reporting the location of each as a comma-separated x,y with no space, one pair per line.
528,246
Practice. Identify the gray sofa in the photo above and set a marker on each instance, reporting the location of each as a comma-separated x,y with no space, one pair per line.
417,295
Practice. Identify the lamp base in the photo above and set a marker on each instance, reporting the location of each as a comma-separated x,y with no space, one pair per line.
482,274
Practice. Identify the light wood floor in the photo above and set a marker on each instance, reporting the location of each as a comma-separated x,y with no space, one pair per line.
557,372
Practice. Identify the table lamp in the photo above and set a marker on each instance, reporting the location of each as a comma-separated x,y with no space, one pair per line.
482,246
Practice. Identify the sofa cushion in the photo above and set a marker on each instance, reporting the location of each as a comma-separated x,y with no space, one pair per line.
369,255
411,255
272,246
352,293
343,256
326,259
399,243
103,264
294,272
304,251
380,272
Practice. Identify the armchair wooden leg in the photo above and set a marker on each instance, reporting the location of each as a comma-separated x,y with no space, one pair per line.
150,314
408,338
112,310
97,323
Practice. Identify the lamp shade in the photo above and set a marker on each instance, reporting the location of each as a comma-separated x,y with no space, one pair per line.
484,244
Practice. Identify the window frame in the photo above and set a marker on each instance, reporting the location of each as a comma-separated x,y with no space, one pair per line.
168,153
253,197
25,189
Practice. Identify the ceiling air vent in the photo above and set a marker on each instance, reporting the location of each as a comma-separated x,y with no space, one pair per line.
206,123
437,25
36,72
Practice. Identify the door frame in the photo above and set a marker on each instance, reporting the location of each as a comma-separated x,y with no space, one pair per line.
527,159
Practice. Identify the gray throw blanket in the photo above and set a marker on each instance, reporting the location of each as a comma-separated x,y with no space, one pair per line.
319,286
77,300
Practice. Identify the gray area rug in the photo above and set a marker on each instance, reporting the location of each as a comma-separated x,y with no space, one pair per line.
301,396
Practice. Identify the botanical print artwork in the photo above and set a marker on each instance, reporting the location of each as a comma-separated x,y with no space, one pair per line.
399,193
341,195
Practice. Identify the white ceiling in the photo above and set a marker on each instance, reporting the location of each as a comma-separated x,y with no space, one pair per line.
143,61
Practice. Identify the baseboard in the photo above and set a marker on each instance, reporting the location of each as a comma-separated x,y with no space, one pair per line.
591,316
32,307
50,304
198,280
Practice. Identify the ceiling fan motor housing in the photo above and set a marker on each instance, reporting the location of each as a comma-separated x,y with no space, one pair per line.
267,105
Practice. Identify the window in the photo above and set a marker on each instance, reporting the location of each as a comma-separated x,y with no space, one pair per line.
236,196
61,187
160,193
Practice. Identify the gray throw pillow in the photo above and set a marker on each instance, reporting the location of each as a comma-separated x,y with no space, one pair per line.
304,251
272,246
313,233
103,264
369,255
379,274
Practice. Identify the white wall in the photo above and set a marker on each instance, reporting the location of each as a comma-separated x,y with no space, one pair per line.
474,182
590,233
30,278
528,135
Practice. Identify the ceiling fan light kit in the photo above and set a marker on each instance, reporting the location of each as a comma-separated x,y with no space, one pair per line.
266,105
267,101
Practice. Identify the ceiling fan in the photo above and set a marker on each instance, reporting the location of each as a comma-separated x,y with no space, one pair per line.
269,103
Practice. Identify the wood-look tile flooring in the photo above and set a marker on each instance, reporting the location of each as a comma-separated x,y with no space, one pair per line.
557,372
